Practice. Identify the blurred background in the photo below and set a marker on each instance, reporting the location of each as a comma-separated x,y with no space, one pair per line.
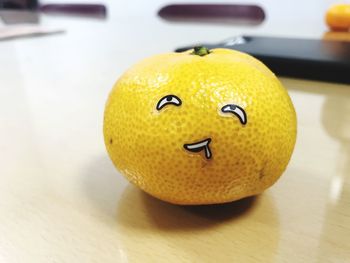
115,34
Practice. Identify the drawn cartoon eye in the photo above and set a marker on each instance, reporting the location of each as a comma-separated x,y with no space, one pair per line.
236,110
169,99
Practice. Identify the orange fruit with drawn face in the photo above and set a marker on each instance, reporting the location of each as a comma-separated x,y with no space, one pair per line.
200,127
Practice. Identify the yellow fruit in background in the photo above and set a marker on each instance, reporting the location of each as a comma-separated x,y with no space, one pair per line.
338,17
200,127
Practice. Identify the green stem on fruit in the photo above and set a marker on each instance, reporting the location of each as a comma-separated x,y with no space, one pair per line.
200,51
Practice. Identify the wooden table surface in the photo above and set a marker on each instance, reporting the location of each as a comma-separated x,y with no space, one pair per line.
61,200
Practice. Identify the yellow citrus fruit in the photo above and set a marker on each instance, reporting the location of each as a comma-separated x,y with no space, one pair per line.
200,127
338,17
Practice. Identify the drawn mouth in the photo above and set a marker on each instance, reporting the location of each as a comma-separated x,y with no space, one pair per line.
200,146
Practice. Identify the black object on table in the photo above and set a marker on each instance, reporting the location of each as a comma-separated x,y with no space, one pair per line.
20,11
214,13
324,60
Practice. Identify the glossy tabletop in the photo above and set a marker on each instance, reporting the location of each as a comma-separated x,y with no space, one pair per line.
61,199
